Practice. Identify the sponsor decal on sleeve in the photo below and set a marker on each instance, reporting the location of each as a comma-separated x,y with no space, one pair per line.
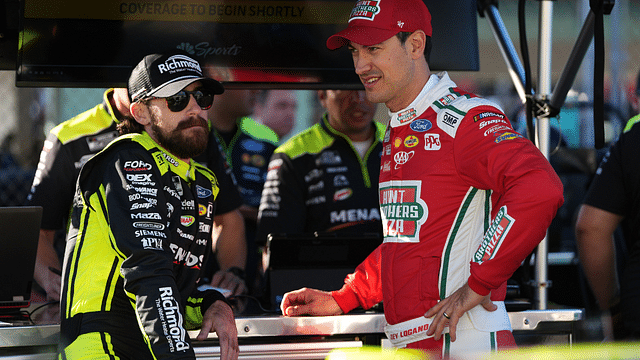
171,318
507,136
488,115
494,236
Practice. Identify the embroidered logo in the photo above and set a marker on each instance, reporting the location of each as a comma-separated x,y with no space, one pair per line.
365,10
402,211
494,236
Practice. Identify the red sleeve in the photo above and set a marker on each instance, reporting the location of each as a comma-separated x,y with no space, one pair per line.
526,193
363,287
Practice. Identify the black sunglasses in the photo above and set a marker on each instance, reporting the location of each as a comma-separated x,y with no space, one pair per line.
179,101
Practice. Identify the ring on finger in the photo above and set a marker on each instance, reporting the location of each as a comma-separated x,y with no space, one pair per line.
446,315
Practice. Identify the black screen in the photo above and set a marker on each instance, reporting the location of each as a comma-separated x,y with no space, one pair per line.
267,44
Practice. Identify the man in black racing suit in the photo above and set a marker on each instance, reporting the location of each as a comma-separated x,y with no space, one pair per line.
141,226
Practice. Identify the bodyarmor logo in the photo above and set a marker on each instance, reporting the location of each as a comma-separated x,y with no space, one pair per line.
403,211
365,10
494,236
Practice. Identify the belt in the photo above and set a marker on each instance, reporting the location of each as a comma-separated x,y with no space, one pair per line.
477,318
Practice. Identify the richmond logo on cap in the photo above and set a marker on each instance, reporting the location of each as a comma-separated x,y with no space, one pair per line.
177,63
365,10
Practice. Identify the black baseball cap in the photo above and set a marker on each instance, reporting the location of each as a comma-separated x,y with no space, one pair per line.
164,75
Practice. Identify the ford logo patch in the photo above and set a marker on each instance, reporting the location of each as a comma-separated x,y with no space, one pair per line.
420,125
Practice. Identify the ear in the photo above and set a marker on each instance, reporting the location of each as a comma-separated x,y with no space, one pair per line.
416,42
140,112
322,96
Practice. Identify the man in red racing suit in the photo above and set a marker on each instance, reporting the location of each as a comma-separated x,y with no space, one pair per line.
451,163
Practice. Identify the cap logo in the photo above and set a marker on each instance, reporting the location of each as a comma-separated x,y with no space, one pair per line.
178,63
400,24
365,10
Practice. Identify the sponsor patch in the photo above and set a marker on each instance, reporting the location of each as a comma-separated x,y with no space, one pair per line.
432,141
421,125
365,10
402,157
450,119
496,128
488,114
402,211
446,100
407,115
342,194
187,220
411,141
202,192
397,142
507,136
494,236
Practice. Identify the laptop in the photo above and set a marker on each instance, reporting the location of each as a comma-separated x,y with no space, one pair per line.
319,261
19,232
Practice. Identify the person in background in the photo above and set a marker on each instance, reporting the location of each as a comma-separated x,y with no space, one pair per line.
67,147
464,198
246,147
141,227
325,179
326,172
277,110
612,202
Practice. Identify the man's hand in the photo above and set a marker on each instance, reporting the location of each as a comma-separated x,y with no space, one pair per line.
228,280
219,318
309,302
458,303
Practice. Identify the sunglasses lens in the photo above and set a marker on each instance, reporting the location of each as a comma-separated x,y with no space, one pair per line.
204,99
178,101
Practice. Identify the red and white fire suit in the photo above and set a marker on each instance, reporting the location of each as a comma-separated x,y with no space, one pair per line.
464,198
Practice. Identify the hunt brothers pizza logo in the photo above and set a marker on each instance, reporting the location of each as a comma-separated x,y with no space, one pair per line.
403,211
366,10
494,236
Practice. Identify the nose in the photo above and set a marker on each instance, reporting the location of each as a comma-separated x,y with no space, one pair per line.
361,63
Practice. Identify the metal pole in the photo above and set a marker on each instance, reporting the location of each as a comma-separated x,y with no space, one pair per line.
516,70
542,130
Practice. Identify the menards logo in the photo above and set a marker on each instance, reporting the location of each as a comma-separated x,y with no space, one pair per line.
402,210
494,236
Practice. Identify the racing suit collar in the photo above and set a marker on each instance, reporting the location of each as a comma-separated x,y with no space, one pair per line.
423,101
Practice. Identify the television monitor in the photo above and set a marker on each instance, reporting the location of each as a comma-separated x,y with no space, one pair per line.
244,44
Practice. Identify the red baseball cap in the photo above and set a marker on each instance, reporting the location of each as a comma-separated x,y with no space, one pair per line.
374,21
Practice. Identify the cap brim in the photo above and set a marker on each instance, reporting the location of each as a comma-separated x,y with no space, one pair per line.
176,86
362,35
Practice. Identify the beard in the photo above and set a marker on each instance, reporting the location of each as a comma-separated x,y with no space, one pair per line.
179,142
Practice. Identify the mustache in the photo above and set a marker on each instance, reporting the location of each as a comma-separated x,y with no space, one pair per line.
193,121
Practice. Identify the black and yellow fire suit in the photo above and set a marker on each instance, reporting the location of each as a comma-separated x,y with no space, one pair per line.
140,229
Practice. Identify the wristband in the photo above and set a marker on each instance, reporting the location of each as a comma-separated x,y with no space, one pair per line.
237,272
